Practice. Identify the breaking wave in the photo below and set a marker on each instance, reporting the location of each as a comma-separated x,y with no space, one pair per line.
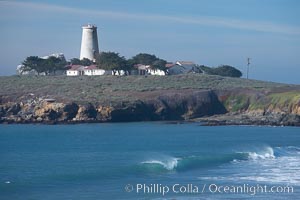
169,164
201,161
189,162
265,153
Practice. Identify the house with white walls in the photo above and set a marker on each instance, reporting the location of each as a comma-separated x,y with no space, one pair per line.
75,70
92,70
157,72
147,70
182,67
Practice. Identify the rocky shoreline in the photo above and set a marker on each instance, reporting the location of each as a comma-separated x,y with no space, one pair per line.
41,110
271,119
211,100
211,108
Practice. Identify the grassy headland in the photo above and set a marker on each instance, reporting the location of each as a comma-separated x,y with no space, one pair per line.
110,88
143,98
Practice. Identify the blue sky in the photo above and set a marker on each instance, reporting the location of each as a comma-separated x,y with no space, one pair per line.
209,32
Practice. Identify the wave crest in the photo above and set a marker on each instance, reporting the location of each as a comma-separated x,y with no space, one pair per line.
266,153
190,162
167,163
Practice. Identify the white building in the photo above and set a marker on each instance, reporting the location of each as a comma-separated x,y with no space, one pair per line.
118,73
142,69
183,67
92,70
157,72
147,70
185,63
89,42
75,70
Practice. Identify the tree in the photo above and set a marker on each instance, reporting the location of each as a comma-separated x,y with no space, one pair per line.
40,65
223,70
75,61
131,62
205,69
52,64
34,63
148,59
159,64
84,61
144,58
227,70
112,61
127,67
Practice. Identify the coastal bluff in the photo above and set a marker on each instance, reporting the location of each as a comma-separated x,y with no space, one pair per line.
212,100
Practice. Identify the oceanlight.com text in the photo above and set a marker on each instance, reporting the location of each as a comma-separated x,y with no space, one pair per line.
160,189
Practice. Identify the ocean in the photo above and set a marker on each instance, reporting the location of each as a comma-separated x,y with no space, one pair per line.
148,160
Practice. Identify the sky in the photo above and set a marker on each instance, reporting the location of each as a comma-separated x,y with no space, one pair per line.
208,32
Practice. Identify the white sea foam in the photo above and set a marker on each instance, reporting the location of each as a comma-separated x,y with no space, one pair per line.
169,164
266,153
263,166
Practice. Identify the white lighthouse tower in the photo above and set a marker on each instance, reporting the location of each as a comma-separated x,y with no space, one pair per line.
89,42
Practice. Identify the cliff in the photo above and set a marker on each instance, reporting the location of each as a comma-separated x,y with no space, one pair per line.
213,100
278,106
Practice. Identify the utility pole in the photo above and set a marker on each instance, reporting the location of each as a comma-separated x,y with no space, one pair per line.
248,64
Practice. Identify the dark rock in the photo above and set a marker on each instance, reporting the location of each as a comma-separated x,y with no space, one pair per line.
14,109
86,112
138,111
176,106
70,111
182,106
207,105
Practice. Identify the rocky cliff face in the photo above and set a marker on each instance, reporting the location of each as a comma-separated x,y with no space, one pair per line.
239,107
252,107
174,106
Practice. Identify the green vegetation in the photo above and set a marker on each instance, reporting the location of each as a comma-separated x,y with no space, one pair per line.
113,61
237,102
285,97
148,59
282,100
105,60
40,65
223,70
159,64
77,61
120,88
143,58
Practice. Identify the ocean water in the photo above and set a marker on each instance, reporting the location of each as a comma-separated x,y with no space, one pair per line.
148,161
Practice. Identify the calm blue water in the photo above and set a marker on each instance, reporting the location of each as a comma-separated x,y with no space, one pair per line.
97,161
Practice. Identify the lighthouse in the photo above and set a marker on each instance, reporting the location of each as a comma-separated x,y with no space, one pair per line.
89,42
